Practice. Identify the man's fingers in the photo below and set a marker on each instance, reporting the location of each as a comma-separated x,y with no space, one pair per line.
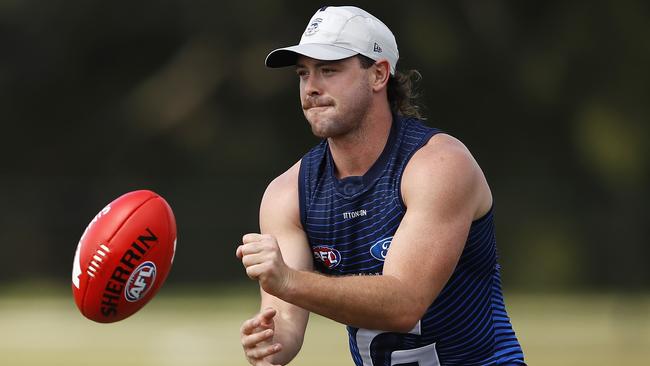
251,237
263,319
261,352
254,258
249,326
245,250
264,363
266,316
255,271
250,341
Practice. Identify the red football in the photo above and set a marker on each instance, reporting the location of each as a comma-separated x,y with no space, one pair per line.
124,256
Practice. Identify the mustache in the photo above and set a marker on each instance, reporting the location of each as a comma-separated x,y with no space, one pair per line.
312,102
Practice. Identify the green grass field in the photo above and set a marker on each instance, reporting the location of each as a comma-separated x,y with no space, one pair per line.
202,328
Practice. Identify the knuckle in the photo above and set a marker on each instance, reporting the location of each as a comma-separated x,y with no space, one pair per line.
255,353
249,352
252,272
245,342
246,261
245,327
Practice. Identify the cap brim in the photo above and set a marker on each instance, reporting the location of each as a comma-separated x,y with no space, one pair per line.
287,56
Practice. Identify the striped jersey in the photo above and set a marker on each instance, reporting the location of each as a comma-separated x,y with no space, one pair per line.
350,223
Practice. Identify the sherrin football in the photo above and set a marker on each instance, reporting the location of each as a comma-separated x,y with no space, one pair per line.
124,256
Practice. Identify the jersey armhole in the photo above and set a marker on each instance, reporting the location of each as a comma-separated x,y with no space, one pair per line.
420,144
302,191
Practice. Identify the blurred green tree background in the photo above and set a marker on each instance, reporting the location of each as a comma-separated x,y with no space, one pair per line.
99,98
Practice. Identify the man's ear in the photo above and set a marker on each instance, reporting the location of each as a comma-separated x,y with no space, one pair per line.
380,75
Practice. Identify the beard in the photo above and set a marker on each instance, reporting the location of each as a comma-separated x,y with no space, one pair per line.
329,118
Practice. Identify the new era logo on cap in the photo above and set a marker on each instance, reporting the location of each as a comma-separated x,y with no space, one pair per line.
338,32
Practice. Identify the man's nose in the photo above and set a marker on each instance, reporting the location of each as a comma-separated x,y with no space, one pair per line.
312,86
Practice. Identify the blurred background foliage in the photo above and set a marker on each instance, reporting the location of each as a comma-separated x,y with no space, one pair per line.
99,98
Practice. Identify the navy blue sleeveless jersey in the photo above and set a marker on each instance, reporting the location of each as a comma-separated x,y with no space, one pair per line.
350,223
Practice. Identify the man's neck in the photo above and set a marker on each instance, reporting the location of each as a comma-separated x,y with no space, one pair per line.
355,153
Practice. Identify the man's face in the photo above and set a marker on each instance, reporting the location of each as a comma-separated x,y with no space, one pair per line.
335,95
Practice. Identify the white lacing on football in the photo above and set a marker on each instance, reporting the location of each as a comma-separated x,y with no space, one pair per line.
95,264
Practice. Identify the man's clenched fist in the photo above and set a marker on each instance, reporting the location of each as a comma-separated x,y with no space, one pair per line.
261,256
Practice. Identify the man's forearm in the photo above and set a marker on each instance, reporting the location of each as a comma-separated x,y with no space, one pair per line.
290,324
371,302
290,339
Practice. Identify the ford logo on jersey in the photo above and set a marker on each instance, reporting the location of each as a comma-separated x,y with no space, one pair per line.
328,255
380,248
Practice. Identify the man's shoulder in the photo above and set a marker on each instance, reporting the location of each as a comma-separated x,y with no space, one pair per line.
440,151
445,168
279,206
284,185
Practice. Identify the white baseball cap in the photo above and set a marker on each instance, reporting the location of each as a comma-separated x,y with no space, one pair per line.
338,32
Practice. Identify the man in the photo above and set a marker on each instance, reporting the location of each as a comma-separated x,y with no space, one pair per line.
396,216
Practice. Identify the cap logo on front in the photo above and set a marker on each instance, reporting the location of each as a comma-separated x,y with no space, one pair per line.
313,27
339,32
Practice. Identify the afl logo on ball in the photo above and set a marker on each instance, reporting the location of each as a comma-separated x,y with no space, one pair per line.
140,282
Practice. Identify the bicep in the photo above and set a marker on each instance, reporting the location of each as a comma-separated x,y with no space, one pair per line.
425,251
440,192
